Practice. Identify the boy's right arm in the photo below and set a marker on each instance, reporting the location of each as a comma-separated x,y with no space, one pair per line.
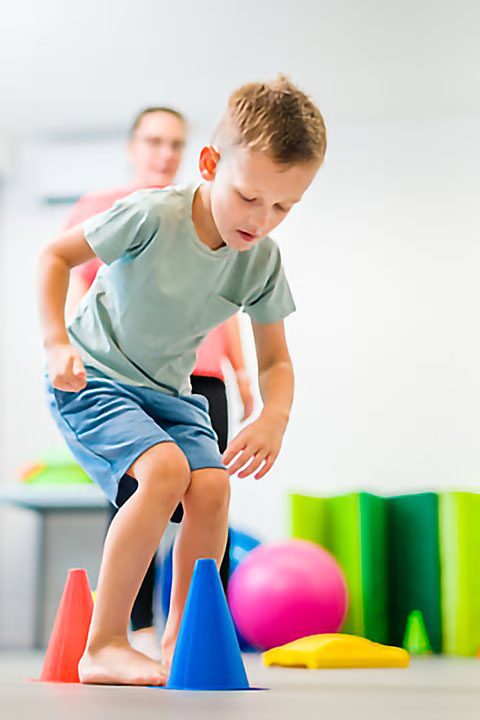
65,366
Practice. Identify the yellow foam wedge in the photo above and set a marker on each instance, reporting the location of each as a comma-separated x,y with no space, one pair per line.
336,651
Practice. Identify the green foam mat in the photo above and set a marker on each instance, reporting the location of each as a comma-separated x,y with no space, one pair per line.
352,527
414,565
308,520
343,541
460,554
374,563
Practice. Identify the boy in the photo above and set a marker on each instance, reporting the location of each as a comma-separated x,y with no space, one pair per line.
178,262
155,148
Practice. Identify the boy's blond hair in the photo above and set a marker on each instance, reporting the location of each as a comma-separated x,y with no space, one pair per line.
275,118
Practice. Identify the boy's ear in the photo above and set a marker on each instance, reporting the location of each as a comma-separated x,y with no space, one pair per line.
208,162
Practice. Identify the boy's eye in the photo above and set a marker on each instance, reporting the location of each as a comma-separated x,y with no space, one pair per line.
246,198
282,209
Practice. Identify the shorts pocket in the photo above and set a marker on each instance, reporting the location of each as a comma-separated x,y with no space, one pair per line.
64,398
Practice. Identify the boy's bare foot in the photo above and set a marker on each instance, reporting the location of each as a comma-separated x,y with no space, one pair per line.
119,664
146,642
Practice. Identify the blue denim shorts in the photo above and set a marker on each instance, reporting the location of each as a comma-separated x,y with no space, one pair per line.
108,425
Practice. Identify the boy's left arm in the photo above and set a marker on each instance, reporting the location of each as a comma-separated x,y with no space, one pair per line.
261,440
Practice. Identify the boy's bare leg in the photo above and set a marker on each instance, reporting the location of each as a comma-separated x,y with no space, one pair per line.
163,476
203,534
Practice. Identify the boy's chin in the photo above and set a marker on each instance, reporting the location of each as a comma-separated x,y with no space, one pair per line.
241,245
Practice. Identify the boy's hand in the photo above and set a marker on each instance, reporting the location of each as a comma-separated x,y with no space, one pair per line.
258,442
65,368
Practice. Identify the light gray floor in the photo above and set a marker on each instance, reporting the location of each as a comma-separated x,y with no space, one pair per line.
433,687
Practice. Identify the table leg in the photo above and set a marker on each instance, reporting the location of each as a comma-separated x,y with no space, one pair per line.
39,608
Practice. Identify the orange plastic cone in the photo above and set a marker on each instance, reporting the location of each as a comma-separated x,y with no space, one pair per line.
69,635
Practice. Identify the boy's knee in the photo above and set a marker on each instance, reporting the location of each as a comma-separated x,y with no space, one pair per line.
209,489
166,471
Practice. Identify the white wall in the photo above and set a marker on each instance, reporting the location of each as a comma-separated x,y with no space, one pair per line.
383,257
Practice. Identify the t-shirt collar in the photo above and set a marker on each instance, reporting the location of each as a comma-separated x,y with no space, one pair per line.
221,252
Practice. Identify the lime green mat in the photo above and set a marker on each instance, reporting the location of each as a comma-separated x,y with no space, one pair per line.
352,527
460,554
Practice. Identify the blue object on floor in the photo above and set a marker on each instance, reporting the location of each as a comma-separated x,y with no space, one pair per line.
240,545
207,655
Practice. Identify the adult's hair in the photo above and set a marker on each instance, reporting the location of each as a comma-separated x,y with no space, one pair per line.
149,110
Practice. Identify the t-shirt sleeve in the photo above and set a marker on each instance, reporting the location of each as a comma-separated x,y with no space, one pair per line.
274,301
127,228
88,271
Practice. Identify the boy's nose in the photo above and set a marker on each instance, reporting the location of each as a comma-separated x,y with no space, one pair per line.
260,222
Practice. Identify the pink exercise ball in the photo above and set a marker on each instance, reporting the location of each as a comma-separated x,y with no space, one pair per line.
288,590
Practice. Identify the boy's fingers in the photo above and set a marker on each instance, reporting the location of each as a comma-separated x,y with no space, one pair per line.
232,450
64,384
68,376
268,464
69,365
79,382
254,465
73,385
78,368
240,462
71,382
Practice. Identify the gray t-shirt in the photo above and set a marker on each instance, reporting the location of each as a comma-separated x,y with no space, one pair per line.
162,290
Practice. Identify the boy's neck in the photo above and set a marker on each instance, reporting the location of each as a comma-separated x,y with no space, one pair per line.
202,219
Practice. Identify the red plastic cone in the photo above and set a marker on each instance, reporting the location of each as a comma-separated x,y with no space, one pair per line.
69,635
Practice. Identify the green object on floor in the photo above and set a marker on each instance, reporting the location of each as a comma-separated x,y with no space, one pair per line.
460,554
353,528
416,640
55,466
60,476
414,565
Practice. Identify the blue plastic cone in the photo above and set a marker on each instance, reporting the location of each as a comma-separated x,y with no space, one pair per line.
207,655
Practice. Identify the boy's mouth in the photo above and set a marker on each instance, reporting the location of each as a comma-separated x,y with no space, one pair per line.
246,235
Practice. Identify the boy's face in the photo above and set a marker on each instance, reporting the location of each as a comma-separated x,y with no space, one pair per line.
156,149
251,194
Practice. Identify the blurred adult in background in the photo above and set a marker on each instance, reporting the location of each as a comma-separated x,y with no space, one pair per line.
155,147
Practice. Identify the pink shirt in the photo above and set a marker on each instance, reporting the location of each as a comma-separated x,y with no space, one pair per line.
213,349
211,353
